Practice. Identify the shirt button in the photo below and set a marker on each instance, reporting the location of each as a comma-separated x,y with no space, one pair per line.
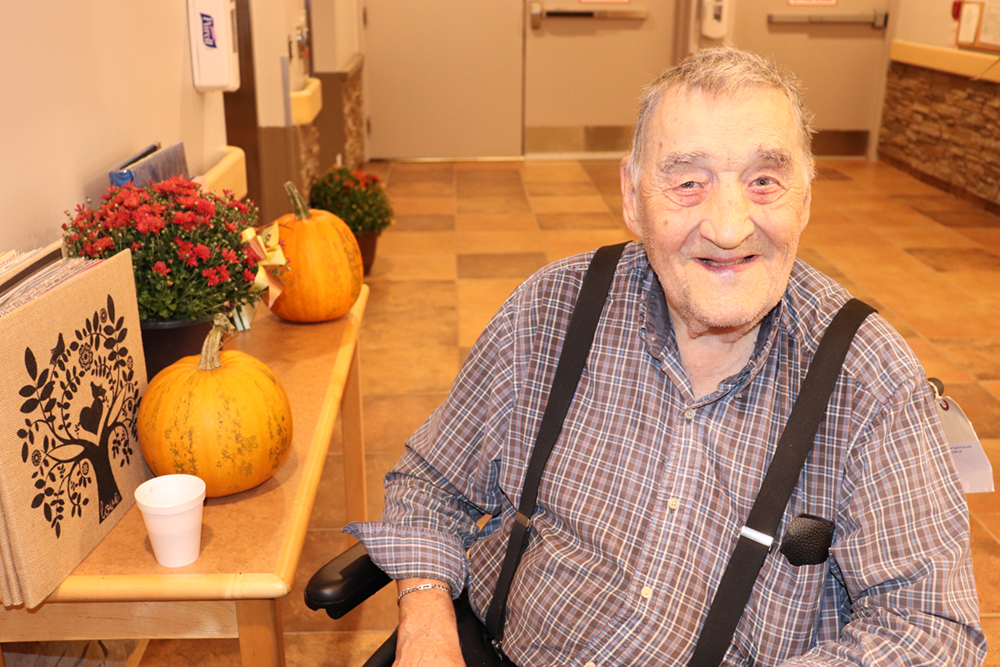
646,592
689,414
590,664
674,503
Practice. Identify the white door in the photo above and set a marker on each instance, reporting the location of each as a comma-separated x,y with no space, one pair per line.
584,73
842,65
462,78
443,78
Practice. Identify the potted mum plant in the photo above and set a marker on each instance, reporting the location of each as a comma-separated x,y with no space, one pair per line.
188,258
357,198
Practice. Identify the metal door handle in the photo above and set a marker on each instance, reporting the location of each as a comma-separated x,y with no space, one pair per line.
878,19
538,12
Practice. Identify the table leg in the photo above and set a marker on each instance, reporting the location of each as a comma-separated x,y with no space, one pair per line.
352,419
262,642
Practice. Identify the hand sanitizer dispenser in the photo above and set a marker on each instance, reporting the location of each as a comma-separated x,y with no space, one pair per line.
716,18
215,58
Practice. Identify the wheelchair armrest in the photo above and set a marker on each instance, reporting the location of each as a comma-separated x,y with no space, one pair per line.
345,582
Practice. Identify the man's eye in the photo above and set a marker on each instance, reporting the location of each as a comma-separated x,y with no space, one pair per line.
689,185
763,181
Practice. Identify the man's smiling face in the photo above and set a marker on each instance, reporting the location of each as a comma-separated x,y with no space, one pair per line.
720,205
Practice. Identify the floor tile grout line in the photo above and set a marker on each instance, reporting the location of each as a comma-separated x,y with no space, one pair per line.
338,632
983,525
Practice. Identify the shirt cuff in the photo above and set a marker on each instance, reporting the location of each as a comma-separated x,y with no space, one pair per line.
403,552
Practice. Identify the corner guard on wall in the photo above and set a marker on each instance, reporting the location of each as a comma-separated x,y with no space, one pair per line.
971,64
229,173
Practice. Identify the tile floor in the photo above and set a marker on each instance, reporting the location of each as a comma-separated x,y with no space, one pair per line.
467,233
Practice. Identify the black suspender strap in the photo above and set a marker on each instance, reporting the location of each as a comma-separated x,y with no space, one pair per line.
576,347
759,532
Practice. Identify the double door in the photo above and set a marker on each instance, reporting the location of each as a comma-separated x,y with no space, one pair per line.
495,78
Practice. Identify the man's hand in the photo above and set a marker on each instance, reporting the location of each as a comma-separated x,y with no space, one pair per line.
428,634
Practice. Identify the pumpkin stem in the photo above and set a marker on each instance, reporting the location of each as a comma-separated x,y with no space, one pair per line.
299,206
213,343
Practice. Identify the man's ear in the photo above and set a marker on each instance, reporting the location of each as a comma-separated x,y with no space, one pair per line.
629,200
806,207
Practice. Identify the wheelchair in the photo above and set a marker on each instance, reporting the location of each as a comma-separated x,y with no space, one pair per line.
343,584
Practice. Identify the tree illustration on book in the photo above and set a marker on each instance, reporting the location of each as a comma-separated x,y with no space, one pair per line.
80,419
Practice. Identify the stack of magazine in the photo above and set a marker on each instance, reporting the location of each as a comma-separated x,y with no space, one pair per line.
26,275
71,374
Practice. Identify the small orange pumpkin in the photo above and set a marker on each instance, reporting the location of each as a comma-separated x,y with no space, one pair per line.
324,273
222,417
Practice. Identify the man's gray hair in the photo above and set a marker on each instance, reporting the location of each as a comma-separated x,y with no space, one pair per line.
719,72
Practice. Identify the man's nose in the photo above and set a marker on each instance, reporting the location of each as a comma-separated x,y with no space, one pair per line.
727,223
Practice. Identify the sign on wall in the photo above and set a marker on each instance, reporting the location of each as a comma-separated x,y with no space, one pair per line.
979,25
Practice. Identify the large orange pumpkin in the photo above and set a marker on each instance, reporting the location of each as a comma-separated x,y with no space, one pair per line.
222,417
324,273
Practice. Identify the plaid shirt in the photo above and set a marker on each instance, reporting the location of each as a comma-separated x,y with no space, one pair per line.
647,489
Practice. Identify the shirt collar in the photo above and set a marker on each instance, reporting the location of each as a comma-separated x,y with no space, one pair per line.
661,343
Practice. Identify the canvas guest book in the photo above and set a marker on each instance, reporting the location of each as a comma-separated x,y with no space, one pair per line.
71,374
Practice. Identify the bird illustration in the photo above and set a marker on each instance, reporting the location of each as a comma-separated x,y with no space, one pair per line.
58,350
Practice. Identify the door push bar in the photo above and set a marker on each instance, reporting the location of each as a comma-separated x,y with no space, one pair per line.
538,12
878,20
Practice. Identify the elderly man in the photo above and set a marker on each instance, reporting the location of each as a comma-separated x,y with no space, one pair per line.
705,338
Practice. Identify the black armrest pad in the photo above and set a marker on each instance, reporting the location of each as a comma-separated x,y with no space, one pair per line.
345,582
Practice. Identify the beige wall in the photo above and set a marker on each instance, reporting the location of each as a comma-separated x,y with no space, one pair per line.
85,84
925,21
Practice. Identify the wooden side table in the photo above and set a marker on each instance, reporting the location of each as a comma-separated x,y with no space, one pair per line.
251,541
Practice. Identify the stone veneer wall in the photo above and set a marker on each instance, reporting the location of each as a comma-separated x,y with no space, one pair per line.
341,123
945,129
308,141
354,120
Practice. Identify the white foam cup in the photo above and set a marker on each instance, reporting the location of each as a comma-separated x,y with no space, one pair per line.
171,507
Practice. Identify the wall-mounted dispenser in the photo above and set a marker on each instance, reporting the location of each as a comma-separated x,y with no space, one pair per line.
215,60
715,18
